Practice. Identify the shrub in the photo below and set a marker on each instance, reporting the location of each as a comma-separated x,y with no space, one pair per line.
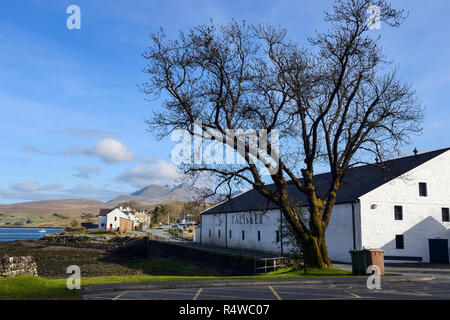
74,223
75,229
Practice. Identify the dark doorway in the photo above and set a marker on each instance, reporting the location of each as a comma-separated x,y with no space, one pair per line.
438,250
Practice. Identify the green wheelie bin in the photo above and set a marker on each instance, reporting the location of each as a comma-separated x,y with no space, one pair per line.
358,262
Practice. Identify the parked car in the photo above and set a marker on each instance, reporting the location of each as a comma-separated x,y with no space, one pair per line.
176,227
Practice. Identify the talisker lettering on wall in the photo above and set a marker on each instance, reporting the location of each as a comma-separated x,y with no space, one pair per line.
247,218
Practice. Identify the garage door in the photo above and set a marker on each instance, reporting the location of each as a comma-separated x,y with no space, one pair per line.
438,250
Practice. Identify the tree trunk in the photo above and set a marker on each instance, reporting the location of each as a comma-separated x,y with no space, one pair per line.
315,252
310,237
312,242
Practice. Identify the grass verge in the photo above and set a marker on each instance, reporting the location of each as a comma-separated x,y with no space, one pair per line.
35,288
38,288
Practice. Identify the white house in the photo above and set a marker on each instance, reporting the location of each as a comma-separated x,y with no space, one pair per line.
401,206
110,219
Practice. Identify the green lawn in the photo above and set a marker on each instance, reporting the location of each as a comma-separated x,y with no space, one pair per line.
279,274
31,287
20,217
35,288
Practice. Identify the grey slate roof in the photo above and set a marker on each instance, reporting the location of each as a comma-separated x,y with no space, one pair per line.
357,182
104,212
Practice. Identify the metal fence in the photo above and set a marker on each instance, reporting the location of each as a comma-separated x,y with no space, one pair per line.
270,264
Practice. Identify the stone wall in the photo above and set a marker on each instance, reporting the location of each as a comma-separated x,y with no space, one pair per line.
15,266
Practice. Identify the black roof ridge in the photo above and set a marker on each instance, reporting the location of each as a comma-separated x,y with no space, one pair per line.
379,164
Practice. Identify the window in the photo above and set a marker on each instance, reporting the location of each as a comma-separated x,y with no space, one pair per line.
230,234
259,235
115,218
278,236
423,189
243,235
399,242
445,215
398,212
210,233
219,234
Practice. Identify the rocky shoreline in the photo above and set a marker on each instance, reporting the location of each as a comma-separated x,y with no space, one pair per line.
96,256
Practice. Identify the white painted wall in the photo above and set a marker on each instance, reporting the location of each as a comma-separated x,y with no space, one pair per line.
267,223
339,234
197,234
422,216
113,219
102,222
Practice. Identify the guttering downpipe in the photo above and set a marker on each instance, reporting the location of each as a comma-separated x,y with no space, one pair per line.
353,225
281,233
201,228
226,229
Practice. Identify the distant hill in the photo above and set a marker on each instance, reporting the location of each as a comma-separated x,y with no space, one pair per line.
59,212
66,206
157,194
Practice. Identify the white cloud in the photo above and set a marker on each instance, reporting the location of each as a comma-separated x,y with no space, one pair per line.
86,172
148,160
108,150
32,186
29,196
32,149
77,150
32,191
112,151
88,191
158,173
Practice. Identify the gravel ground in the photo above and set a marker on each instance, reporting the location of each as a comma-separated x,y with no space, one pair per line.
52,260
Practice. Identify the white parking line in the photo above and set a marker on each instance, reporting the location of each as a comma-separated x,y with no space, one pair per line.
275,293
117,298
355,295
197,294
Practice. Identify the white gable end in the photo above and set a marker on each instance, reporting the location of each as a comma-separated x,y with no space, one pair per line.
421,215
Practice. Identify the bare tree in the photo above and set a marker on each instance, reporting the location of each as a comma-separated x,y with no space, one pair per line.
336,103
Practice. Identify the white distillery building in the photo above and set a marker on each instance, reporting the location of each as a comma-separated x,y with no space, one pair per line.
110,219
400,206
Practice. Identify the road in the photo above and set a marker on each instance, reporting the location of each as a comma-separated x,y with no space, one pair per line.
390,291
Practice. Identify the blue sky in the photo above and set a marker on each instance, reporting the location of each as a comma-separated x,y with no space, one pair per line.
72,119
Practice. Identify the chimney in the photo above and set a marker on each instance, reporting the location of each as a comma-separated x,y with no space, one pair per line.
416,152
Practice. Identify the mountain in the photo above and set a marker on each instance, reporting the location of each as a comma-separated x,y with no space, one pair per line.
45,210
156,194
